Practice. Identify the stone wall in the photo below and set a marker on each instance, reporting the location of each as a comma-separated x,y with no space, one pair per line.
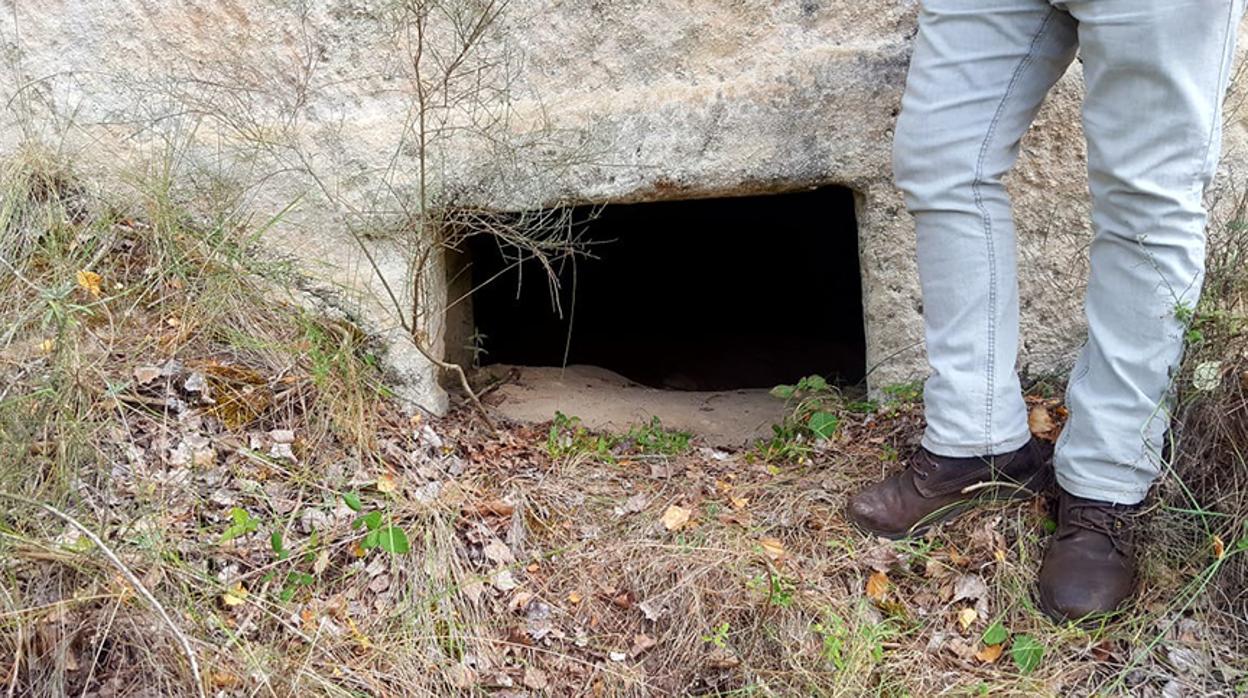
309,103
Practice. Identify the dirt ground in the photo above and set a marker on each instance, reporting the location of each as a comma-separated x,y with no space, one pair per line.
605,400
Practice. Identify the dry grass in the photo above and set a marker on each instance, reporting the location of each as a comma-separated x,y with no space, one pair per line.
528,574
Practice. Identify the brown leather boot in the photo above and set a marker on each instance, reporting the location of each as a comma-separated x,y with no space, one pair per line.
1089,569
935,488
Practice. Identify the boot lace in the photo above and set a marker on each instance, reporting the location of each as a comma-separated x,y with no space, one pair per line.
1110,520
923,464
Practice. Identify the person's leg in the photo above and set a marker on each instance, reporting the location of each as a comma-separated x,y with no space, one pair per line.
1156,72
980,71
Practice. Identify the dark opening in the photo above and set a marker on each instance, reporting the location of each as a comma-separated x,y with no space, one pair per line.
708,294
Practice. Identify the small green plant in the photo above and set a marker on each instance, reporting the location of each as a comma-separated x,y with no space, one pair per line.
834,636
862,406
295,579
898,397
655,439
996,634
1026,651
718,636
568,437
907,393
889,454
389,538
813,417
780,590
241,524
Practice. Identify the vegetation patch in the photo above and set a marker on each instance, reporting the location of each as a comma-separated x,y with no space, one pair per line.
186,453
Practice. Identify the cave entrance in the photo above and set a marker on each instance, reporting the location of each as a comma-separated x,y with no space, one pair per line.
706,294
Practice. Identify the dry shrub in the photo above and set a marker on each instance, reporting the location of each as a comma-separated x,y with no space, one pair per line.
1211,454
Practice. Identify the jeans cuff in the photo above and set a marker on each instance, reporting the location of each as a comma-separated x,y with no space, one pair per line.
976,451
1115,493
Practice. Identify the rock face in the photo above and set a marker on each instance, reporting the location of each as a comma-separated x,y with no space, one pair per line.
312,108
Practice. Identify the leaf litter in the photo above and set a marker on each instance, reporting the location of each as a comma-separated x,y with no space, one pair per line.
655,575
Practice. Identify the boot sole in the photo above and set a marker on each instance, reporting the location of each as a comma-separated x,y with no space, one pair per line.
1088,622
1039,483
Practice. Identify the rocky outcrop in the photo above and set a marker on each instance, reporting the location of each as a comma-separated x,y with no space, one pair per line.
309,107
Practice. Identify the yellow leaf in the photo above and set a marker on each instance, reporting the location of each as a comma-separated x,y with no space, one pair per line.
676,517
1040,421
738,503
877,586
90,282
773,548
967,616
956,557
225,680
989,654
235,595
386,483
360,637
575,597
1219,548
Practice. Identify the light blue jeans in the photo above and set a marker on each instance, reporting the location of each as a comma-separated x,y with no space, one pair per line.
1156,72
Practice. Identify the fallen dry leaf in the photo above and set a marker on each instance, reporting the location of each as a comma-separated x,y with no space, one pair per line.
504,581
956,557
635,504
534,679
877,586
989,654
961,647
146,374
498,553
970,587
641,643
738,503
520,600
461,676
676,517
1040,423
495,507
966,617
235,595
321,564
226,681
90,282
773,548
882,557
386,483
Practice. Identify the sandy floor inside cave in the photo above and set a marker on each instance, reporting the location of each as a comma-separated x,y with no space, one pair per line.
606,400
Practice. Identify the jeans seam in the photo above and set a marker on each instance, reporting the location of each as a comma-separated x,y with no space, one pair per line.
976,185
1221,87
